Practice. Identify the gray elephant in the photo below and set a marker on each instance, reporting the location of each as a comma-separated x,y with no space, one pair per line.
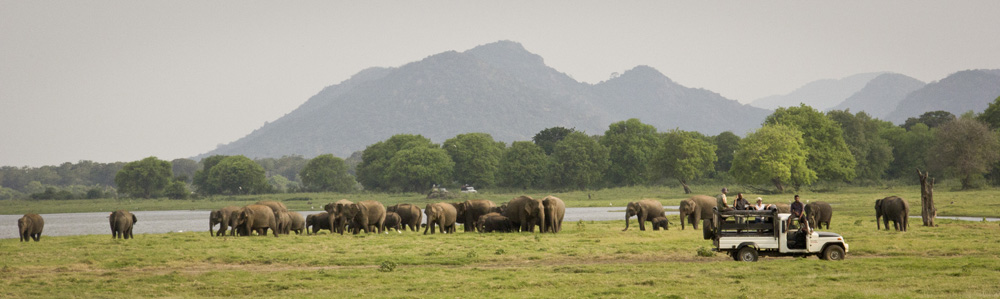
284,222
393,221
555,211
470,210
894,209
298,223
222,218
30,226
660,222
695,209
494,222
409,215
258,218
442,215
363,215
819,212
316,222
336,215
121,224
645,210
526,212
234,224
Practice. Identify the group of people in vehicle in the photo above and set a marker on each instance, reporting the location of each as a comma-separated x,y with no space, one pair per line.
797,208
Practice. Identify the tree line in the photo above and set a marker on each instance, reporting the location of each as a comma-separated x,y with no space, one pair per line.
795,147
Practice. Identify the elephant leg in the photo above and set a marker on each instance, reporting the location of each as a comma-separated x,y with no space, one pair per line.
642,222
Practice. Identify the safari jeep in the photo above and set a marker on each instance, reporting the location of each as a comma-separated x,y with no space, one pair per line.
745,235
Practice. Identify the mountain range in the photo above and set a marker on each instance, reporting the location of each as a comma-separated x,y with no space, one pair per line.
498,88
820,94
504,90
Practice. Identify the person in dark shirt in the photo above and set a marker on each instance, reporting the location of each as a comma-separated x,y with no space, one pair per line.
796,208
741,203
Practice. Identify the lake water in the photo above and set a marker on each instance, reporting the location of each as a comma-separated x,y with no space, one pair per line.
158,222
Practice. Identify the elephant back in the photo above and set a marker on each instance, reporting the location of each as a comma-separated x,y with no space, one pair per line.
275,206
655,208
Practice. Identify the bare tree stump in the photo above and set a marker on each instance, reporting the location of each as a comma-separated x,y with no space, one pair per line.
927,210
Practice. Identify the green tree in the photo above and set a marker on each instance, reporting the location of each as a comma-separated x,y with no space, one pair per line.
326,173
726,144
238,175
416,168
281,184
827,152
872,153
145,178
176,190
578,161
476,157
909,149
774,154
964,148
630,145
201,181
185,167
548,138
991,116
932,119
373,170
523,165
684,157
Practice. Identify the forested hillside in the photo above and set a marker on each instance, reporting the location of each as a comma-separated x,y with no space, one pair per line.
500,89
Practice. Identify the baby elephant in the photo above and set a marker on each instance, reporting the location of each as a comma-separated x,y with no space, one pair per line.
392,220
494,222
121,224
661,222
30,226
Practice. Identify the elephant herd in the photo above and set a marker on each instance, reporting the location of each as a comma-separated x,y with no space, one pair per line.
259,217
519,214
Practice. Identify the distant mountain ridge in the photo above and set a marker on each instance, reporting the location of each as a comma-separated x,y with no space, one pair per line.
498,88
881,95
969,90
820,94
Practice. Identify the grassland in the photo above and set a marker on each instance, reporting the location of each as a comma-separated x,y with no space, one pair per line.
588,259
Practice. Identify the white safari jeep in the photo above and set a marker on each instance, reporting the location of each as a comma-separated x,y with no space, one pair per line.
745,235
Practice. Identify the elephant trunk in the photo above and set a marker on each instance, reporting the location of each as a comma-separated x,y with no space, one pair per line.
543,225
683,219
627,216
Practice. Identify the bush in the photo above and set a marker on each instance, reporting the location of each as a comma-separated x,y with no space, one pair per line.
387,266
705,252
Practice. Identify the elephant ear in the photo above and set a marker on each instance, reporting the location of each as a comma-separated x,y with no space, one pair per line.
134,220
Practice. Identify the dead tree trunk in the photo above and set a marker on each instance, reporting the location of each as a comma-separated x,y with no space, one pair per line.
777,184
687,190
927,210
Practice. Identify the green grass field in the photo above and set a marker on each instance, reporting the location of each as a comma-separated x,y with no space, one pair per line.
587,259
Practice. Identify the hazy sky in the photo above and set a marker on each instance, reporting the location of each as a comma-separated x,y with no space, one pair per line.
123,80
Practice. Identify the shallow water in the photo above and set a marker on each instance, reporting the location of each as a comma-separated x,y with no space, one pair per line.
158,222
